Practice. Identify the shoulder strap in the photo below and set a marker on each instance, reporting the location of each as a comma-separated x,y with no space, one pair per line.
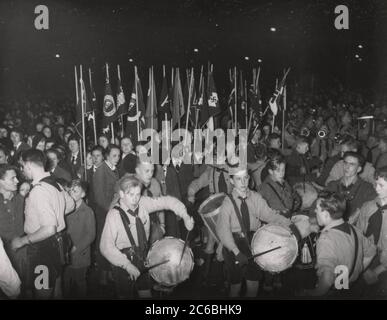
277,195
51,181
356,251
238,214
126,223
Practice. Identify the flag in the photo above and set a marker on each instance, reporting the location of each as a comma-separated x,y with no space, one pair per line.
122,107
213,100
273,102
255,98
202,102
133,115
177,101
151,106
93,100
165,103
109,107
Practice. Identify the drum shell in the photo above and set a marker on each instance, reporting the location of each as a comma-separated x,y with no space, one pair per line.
271,236
210,215
307,192
171,273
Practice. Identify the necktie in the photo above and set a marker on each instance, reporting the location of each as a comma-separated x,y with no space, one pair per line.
74,160
222,185
245,214
141,235
375,224
147,192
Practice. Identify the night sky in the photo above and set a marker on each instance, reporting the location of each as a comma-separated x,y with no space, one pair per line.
156,32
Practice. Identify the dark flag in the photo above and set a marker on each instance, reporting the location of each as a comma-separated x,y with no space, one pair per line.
177,101
109,107
165,103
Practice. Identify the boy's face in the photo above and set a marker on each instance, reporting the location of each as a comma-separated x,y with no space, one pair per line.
131,197
381,187
321,215
351,166
145,172
77,193
97,157
279,173
302,148
241,182
114,156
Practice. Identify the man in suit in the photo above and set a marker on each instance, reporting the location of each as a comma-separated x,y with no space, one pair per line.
74,158
128,157
55,170
18,145
103,185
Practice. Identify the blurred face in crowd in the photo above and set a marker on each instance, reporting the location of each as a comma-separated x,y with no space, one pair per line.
381,188
103,142
39,127
257,136
302,148
60,120
241,182
53,159
61,131
77,193
73,146
345,148
46,121
47,132
351,167
145,172
382,145
3,133
15,138
346,119
321,215
49,145
114,156
275,143
131,197
97,157
9,181
3,157
89,160
126,145
278,174
24,188
266,130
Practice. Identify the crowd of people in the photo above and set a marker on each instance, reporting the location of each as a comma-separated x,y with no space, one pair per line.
91,222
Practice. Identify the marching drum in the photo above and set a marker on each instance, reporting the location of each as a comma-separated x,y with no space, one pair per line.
307,192
173,272
209,210
272,236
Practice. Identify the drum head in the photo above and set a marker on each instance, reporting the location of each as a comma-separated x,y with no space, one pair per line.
171,273
271,236
211,204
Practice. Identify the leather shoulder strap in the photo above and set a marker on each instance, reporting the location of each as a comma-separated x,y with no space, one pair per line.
126,223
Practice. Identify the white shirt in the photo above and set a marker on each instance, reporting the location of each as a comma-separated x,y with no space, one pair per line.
9,280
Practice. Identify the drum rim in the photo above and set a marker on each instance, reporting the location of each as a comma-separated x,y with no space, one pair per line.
187,249
292,236
211,197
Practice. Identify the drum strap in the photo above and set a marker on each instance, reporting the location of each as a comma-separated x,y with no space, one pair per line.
126,222
238,214
356,250
278,196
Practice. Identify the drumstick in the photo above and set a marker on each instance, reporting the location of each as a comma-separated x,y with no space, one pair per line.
185,246
154,266
261,253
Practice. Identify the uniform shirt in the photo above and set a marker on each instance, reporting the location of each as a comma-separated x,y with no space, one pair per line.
365,212
356,194
336,246
81,228
46,206
9,280
11,217
114,237
337,172
228,222
210,177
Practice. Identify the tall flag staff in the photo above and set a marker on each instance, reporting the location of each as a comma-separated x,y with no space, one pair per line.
190,90
83,105
122,108
109,108
78,110
136,88
235,97
283,119
93,105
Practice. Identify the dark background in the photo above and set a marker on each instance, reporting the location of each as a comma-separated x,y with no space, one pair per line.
156,32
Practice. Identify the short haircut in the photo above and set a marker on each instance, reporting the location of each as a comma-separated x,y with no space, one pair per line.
110,147
4,168
301,140
381,173
73,137
37,139
275,161
81,184
34,156
356,155
333,203
97,148
273,136
18,131
54,151
128,182
260,151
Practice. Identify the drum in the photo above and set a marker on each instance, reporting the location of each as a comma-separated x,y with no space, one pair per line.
209,210
307,192
173,272
269,237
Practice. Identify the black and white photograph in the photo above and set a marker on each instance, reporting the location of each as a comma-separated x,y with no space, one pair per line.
200,150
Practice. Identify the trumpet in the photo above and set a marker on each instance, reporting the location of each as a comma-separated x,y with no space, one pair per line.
322,133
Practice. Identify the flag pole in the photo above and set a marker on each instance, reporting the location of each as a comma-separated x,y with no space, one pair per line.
94,127
283,120
151,92
135,84
121,116
111,124
76,84
83,94
189,105
246,111
235,95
